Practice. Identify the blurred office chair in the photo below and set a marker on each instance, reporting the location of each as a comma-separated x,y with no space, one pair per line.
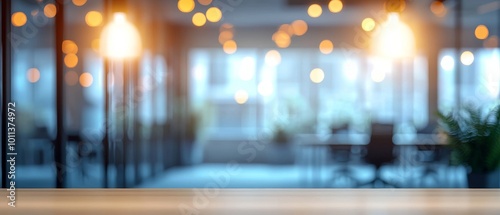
342,155
431,155
380,151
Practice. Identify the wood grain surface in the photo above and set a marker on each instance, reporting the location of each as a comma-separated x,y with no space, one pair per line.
255,201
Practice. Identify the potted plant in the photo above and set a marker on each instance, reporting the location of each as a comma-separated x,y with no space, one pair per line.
280,149
474,138
281,135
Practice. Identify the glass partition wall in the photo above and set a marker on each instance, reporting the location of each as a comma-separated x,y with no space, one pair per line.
90,160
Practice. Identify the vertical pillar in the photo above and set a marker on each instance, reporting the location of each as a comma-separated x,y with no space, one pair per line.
107,125
458,46
432,52
126,117
6,81
60,141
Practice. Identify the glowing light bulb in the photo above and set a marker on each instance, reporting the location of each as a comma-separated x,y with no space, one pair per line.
394,39
447,63
214,14
50,10
314,10
335,6
368,24
79,2
199,19
273,58
326,47
86,79
230,47
481,32
186,6
317,75
299,27
93,18
19,19
120,39
467,58
241,97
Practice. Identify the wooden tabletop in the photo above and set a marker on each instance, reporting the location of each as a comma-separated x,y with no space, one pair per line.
254,202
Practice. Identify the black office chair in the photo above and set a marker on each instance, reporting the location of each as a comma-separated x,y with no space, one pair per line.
380,151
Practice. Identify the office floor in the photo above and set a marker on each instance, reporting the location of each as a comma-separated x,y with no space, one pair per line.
252,176
293,176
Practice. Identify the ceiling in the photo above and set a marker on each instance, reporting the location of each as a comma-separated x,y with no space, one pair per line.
277,12
256,13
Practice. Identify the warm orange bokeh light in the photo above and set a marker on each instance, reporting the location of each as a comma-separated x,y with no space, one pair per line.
186,6
86,79
71,60
33,75
326,46
69,47
368,24
314,10
50,10
79,2
299,27
19,19
199,19
481,32
225,36
230,47
214,14
282,39
335,6
205,2
438,9
93,18
287,29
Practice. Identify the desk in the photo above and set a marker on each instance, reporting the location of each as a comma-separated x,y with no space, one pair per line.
405,144
251,202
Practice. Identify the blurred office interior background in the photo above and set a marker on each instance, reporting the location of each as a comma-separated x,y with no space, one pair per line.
245,93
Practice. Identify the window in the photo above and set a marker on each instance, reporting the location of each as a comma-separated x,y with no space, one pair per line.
479,83
249,94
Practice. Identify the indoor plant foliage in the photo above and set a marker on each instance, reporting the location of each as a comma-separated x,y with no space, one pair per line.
281,135
474,137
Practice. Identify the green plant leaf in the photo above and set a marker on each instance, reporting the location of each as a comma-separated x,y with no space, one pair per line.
473,137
